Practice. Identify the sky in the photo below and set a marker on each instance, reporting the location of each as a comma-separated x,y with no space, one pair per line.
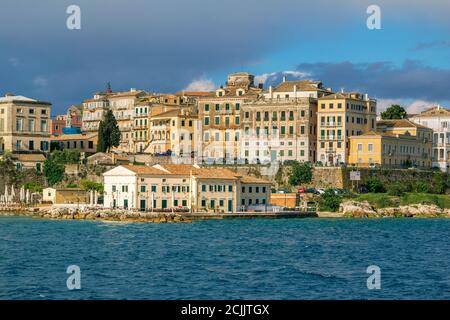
173,45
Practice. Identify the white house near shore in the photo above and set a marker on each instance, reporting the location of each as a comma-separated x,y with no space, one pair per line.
188,187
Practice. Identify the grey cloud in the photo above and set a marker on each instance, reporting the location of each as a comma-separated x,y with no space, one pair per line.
411,80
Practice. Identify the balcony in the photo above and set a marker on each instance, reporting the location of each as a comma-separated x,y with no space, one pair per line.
331,124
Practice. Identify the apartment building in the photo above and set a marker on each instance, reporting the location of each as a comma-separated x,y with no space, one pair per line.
122,105
221,115
175,132
82,142
24,124
438,119
340,116
395,143
281,123
165,187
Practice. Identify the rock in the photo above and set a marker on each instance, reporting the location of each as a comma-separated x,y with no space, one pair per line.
357,209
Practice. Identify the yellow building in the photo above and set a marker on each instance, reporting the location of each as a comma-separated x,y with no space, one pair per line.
396,143
65,196
24,124
340,116
221,115
81,142
175,132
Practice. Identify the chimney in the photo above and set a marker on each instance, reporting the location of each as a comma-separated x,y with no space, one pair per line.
342,90
284,78
295,91
270,92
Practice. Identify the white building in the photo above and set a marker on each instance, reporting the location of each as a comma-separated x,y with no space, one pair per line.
188,187
438,119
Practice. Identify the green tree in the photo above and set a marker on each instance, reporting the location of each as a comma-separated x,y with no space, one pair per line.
300,173
91,185
374,185
395,111
53,171
66,156
108,133
396,189
330,201
100,143
439,184
421,187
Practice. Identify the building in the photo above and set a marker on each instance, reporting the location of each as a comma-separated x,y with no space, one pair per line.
24,161
285,200
57,124
65,196
281,124
221,118
188,187
82,142
438,119
339,116
24,124
174,132
107,159
396,143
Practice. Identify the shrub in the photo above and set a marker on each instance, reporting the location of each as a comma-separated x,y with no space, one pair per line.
422,187
439,185
396,189
330,201
300,173
375,186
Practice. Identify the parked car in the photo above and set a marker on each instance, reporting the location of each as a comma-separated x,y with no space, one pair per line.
301,190
284,190
311,190
321,191
363,189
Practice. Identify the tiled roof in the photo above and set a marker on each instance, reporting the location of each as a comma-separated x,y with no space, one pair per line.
32,157
77,136
399,123
144,170
434,111
302,85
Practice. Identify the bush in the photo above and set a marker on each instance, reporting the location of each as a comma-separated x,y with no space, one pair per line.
374,185
53,171
330,201
421,187
396,189
300,173
439,184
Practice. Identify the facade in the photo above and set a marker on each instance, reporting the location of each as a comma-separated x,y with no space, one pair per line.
65,196
438,119
221,118
174,132
25,161
396,143
281,124
57,124
340,116
72,119
188,187
24,124
81,142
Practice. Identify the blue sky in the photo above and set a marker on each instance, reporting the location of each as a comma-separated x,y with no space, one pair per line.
167,46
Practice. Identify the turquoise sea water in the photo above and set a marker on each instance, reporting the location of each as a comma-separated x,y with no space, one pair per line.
230,259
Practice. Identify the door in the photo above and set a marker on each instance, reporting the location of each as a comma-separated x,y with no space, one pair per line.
164,204
125,203
230,205
143,205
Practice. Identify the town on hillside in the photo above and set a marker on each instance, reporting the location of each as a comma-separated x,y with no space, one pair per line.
244,147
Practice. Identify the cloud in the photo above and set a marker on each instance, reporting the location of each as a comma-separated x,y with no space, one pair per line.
274,78
15,62
431,44
201,85
411,106
40,81
384,80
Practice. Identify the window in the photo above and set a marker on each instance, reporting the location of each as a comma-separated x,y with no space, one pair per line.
237,120
19,124
143,189
360,147
206,121
238,106
370,147
217,120
206,107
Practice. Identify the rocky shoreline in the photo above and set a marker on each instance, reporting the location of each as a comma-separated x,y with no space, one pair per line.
89,213
354,209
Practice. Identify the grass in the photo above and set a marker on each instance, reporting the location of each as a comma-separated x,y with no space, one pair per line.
383,200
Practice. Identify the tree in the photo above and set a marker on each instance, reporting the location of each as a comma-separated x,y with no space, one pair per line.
91,185
108,133
395,111
330,201
100,143
439,185
53,171
300,173
374,185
